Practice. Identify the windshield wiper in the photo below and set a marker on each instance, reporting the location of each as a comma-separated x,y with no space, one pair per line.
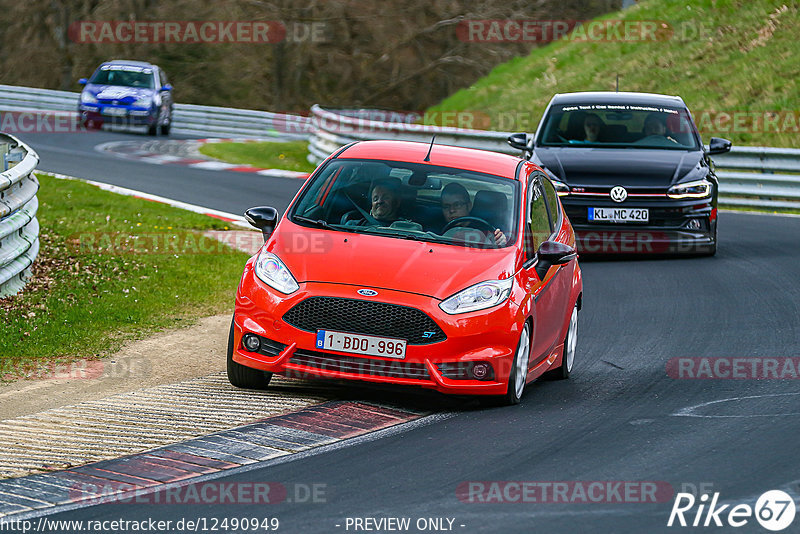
316,222
321,223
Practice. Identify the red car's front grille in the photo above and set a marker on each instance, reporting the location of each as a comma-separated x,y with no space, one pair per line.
360,366
365,317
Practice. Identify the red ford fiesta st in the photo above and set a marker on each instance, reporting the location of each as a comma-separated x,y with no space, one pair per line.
407,263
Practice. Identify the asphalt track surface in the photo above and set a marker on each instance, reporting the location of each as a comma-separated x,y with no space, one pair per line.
619,418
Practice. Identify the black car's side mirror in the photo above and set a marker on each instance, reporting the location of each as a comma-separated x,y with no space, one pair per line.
717,145
553,253
518,141
264,218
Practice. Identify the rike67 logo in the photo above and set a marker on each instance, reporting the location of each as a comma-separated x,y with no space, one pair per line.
774,510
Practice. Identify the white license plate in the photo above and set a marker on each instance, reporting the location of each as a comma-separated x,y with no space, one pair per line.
358,344
117,112
619,214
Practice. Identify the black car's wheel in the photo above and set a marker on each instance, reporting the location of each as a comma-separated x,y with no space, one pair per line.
519,369
242,376
568,356
714,246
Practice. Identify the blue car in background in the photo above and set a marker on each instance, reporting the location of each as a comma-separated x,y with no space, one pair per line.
132,93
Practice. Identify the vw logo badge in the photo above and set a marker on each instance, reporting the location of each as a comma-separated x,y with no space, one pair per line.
618,193
367,292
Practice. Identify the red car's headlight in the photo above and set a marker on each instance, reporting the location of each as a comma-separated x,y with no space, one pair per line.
272,271
478,297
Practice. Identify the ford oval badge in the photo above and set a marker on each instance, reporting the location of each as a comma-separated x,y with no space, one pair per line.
367,292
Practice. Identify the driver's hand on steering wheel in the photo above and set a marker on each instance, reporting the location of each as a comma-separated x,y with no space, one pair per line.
499,238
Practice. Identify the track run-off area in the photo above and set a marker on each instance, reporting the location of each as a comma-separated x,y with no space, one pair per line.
639,421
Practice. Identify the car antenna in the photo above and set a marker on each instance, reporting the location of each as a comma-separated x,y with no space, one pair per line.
428,155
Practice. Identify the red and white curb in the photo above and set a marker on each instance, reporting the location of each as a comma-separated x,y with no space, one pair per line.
186,153
202,459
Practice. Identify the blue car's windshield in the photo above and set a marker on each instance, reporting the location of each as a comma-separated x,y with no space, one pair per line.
411,201
125,76
618,126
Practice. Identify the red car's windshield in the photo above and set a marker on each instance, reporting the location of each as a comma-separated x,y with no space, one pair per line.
411,201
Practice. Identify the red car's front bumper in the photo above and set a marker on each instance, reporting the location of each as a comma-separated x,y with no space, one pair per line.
485,336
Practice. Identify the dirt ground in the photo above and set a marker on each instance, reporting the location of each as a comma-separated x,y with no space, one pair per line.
163,358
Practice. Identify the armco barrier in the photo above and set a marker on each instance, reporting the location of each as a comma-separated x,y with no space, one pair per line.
749,176
19,229
188,119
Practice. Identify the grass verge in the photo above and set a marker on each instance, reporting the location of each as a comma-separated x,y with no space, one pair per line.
111,268
290,155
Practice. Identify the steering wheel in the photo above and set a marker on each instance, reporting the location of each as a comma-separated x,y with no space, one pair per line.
469,221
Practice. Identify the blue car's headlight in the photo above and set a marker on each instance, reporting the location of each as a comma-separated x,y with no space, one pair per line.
478,297
143,102
272,271
88,98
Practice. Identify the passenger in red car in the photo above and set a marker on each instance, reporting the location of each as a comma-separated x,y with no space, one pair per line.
456,204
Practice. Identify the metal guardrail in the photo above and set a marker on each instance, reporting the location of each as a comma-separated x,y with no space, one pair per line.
749,176
19,229
188,119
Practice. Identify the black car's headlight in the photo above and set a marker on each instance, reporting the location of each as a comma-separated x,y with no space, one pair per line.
561,188
694,189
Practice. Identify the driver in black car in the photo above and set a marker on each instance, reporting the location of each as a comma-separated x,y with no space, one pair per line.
456,204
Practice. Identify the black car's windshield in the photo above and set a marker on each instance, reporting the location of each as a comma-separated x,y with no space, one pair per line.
411,201
618,125
124,75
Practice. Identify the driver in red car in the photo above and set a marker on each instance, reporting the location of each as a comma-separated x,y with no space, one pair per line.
456,204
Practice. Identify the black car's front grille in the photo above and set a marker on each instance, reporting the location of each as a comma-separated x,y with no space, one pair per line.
365,317
658,216
359,366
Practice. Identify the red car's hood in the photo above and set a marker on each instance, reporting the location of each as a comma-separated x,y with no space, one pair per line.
436,270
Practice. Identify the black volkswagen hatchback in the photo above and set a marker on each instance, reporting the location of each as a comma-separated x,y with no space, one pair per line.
631,171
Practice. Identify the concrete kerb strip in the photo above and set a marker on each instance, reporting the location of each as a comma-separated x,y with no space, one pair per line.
279,438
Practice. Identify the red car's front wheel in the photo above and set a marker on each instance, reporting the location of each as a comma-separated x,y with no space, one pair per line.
242,376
